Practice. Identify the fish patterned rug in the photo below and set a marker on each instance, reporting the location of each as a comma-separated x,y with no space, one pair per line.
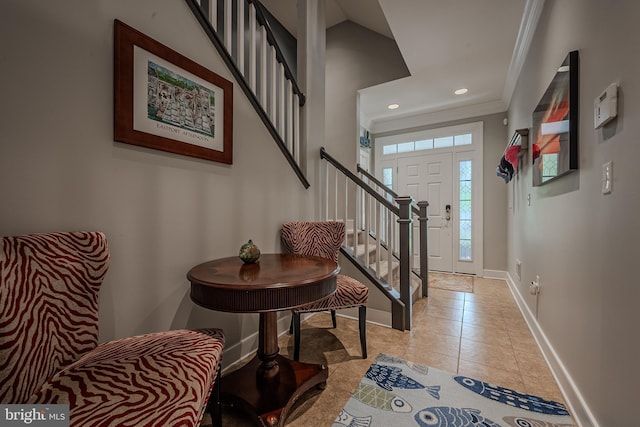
396,392
451,282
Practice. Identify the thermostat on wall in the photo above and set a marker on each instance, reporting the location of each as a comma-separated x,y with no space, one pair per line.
605,106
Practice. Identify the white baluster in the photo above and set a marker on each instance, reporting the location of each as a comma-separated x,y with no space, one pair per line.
241,38
253,44
346,202
264,50
274,86
296,128
376,213
326,192
288,101
389,224
228,25
335,196
281,100
356,221
367,230
213,14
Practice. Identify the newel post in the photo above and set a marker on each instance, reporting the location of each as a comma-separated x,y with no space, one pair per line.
424,254
404,221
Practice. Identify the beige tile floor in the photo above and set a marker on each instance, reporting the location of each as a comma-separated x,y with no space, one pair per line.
481,335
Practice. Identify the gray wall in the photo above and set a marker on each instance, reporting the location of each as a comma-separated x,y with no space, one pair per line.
495,139
583,244
162,213
356,58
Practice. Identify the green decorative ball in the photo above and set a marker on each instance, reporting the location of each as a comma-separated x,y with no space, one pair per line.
249,252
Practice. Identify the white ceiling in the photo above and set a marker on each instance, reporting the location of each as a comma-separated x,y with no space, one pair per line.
476,44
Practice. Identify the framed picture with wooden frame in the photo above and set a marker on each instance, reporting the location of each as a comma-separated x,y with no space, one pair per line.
166,101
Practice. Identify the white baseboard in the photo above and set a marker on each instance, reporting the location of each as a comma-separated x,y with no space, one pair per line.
494,274
376,317
237,353
233,355
574,399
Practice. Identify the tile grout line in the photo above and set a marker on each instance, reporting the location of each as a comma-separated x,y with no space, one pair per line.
464,305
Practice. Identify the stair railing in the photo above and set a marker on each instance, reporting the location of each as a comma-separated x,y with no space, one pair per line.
386,226
242,35
419,212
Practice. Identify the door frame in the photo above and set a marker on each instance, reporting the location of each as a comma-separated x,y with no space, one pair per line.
472,152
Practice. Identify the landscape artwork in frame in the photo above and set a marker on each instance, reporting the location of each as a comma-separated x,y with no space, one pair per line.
168,102
555,125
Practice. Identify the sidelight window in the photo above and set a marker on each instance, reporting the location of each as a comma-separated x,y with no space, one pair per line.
465,227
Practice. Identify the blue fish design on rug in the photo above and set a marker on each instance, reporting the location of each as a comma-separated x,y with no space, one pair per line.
394,393
346,419
512,398
389,377
421,369
530,422
444,416
380,399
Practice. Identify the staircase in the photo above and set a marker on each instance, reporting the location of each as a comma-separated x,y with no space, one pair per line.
240,32
381,241
385,266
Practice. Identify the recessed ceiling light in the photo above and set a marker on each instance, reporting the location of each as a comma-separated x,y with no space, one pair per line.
461,91
392,106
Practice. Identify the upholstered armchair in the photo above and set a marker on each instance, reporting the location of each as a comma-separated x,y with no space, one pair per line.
324,239
49,352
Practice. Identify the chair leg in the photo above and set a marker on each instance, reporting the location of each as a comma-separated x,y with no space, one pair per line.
295,319
362,316
215,406
333,318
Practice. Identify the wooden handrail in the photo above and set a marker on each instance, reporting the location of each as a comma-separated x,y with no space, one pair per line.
377,182
366,187
414,209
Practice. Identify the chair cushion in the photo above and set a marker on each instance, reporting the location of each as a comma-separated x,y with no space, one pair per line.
159,379
349,293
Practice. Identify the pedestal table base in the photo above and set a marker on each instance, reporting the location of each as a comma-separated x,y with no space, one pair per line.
270,401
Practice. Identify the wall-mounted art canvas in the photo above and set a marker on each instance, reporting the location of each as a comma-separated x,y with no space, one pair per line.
554,133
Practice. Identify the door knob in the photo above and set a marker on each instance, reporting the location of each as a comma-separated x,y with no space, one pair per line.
447,210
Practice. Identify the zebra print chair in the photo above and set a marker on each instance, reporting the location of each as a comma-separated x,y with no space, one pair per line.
324,239
49,352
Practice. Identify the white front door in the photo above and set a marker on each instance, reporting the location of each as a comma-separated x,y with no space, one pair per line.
429,177
444,167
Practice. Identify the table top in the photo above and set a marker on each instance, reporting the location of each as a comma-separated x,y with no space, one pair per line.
275,282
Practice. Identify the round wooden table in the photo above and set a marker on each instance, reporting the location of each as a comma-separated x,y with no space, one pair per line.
269,385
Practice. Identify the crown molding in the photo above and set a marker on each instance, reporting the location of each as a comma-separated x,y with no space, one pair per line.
425,119
530,18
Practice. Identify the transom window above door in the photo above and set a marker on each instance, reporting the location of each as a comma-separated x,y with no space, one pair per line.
427,144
